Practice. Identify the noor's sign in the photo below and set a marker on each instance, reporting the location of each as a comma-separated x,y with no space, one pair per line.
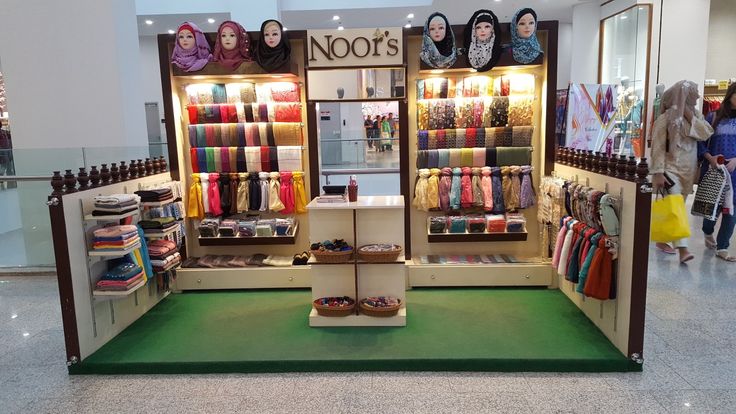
355,47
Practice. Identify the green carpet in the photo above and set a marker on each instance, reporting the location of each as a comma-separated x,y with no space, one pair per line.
468,329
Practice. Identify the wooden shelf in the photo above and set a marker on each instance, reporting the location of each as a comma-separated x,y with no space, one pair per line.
176,266
159,203
116,294
400,260
114,253
90,217
249,241
164,233
315,320
475,237
313,261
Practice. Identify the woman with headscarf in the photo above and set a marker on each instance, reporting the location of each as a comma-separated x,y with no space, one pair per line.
438,42
524,43
273,50
232,46
675,137
191,50
483,40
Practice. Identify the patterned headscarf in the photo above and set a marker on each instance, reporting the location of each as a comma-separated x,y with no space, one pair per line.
442,54
483,55
681,95
195,58
524,50
231,59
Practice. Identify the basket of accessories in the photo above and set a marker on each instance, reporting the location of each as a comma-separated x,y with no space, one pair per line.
334,306
379,253
380,306
331,251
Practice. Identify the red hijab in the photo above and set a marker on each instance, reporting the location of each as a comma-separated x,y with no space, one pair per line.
231,59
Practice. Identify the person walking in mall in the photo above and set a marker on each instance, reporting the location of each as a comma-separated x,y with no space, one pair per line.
368,126
674,149
377,133
721,144
394,127
385,134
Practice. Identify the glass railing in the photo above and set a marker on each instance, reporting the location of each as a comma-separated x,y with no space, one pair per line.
25,174
374,160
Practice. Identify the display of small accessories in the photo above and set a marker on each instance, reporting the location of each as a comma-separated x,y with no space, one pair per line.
334,306
467,259
252,226
380,252
380,306
256,260
331,251
476,223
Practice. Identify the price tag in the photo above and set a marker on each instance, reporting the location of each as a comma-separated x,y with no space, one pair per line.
722,85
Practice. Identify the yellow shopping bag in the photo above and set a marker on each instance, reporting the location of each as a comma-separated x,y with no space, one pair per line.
669,219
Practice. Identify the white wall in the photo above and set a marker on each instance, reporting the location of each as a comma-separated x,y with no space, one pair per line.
151,79
585,27
721,59
564,55
684,38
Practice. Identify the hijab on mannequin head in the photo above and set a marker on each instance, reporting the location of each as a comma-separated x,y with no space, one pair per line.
524,43
273,49
232,46
438,42
482,40
191,50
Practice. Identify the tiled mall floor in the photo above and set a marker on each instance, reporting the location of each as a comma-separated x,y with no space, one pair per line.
690,366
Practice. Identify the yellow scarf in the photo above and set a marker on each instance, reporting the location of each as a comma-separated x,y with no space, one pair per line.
195,208
300,195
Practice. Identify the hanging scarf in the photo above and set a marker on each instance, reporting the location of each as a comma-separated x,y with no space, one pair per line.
441,54
254,190
272,58
445,187
242,192
527,187
214,194
195,209
455,189
487,188
477,189
496,182
600,273
566,245
466,188
204,178
421,200
588,260
263,185
525,50
483,54
195,58
515,188
224,186
300,195
506,185
559,241
232,58
274,187
286,192
433,189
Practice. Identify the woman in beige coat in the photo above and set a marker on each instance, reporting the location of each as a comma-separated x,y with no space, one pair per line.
675,139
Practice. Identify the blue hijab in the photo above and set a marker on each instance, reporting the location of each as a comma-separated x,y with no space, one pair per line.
524,50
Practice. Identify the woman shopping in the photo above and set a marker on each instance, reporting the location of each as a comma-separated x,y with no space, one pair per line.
722,144
674,149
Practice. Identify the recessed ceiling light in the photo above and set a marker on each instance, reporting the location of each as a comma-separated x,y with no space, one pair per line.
171,31
410,16
408,25
210,20
335,17
149,22
497,1
25,334
13,316
340,27
624,17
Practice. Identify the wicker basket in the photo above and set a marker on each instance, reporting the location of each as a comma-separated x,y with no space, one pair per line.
323,310
380,312
380,257
327,256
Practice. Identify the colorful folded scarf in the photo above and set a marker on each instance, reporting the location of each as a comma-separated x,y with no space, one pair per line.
528,197
289,158
521,136
219,93
274,187
210,159
460,138
423,140
270,138
421,200
214,194
441,141
242,198
300,195
240,111
209,131
515,202
287,134
466,188
480,137
265,158
233,193
193,159
497,190
217,155
288,112
431,139
192,113
487,188
253,159
225,197
433,159
240,159
455,157
422,159
449,115
192,131
443,156
420,89
254,189
445,186
263,185
448,139
455,188
201,136
204,179
508,199
479,157
470,138
286,192
232,158
466,157
433,189
248,113
514,156
423,115
273,159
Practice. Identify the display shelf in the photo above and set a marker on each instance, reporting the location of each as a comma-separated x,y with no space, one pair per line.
495,274
364,202
243,278
249,241
313,261
170,268
105,294
251,69
400,260
159,203
475,237
90,217
315,320
159,234
113,253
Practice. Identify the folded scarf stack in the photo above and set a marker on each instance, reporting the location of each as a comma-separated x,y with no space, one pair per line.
158,224
120,278
115,204
114,238
166,263
226,261
160,249
160,195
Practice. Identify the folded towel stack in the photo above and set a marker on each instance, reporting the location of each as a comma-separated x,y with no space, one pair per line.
114,238
115,204
120,278
159,195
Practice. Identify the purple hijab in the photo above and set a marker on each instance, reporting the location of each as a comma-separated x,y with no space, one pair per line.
195,58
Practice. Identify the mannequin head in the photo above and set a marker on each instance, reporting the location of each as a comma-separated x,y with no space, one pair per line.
272,34
526,24
625,82
228,38
659,89
437,28
185,37
484,29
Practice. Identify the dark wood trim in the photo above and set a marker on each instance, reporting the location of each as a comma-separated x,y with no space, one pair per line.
64,279
642,217
475,237
621,11
549,134
397,66
600,50
404,166
164,43
313,144
606,2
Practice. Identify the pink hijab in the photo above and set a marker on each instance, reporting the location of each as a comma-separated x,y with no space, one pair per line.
231,59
